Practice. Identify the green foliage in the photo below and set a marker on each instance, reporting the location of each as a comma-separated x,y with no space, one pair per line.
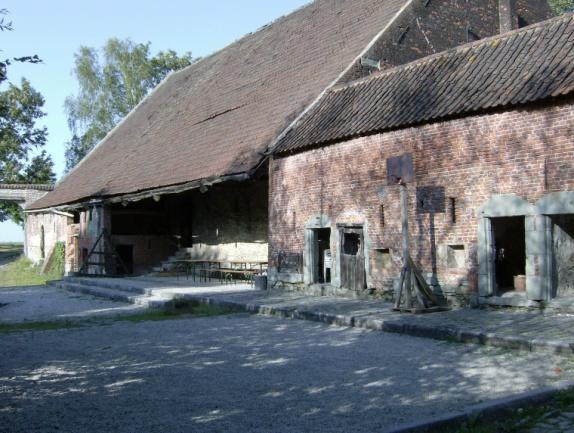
560,7
21,141
111,83
6,328
55,268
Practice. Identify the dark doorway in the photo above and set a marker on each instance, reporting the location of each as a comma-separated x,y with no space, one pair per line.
323,254
508,235
352,258
126,254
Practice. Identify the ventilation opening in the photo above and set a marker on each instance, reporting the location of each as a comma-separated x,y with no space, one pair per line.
351,244
455,256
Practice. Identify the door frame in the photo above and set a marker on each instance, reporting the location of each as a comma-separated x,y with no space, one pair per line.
340,245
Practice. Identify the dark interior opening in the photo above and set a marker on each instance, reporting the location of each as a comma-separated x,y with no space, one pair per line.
351,244
510,251
126,253
323,244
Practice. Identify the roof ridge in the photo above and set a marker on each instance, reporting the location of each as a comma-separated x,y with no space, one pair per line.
454,51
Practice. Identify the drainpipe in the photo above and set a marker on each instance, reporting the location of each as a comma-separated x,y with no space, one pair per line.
506,16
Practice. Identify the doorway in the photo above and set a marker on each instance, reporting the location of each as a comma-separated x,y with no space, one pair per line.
322,255
353,275
509,251
126,254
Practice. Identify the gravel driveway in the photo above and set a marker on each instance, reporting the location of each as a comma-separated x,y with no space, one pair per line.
46,303
247,374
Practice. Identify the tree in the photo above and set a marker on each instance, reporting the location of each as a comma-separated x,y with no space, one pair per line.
20,108
7,26
560,7
111,83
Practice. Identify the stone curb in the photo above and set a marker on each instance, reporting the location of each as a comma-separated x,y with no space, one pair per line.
367,321
488,411
398,327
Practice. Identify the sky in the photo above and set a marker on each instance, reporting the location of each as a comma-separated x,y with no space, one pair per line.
54,30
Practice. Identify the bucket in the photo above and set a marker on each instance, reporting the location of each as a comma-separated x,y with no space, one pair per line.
520,283
260,282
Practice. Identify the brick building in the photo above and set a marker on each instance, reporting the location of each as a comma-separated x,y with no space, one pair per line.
188,168
488,128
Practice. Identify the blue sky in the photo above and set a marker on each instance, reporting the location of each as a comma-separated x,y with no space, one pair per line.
55,29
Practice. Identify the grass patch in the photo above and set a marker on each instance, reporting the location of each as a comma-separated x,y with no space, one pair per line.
21,272
6,328
177,309
522,419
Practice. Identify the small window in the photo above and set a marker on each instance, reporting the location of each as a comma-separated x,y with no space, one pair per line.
382,215
452,202
352,243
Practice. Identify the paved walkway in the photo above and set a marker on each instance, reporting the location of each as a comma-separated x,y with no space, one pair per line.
249,373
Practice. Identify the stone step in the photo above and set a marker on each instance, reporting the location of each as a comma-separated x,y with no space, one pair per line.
147,301
114,284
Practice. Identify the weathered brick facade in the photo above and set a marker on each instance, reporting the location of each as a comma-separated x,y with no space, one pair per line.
43,231
523,151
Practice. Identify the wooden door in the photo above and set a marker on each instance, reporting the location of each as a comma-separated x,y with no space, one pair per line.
352,258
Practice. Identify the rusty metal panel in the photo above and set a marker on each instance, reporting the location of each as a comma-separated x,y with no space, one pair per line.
400,169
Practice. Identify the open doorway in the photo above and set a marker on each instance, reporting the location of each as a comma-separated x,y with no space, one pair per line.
126,254
508,235
322,253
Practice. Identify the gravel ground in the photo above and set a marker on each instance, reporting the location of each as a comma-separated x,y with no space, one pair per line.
45,303
243,374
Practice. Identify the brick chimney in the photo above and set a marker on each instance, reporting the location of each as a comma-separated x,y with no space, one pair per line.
506,16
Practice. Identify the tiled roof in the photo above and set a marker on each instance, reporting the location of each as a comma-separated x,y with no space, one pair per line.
519,67
34,186
216,117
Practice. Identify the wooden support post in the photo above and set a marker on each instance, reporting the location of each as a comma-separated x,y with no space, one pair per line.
406,252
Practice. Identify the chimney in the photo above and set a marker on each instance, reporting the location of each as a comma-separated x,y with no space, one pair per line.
506,16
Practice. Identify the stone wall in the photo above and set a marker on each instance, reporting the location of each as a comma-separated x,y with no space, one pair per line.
459,165
230,222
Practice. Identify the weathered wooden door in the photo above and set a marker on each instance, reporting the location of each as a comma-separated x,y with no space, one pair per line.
352,258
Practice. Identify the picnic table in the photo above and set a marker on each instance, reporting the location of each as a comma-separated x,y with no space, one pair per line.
206,268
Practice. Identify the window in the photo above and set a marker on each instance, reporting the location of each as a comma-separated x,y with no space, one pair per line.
351,244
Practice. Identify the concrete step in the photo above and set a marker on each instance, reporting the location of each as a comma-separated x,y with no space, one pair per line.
147,301
112,283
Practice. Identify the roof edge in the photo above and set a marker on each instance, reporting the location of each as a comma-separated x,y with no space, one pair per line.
142,195
271,147
451,51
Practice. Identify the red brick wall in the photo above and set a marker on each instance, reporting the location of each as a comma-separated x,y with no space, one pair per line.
527,151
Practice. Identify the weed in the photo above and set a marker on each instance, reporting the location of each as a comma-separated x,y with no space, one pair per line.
6,328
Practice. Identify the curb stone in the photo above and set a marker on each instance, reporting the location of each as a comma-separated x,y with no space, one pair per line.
488,411
400,327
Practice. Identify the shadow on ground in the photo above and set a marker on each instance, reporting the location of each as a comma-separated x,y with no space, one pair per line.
248,374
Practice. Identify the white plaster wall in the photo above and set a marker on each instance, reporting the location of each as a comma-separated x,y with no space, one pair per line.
55,230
